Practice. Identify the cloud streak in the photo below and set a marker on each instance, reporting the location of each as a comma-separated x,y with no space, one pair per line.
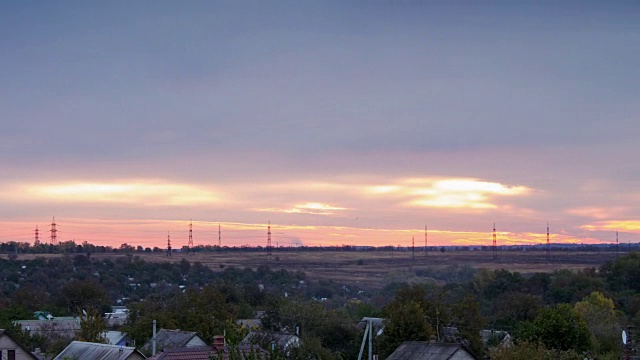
449,193
139,192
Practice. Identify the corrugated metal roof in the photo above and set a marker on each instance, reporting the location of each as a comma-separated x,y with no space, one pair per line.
171,339
62,326
114,337
94,351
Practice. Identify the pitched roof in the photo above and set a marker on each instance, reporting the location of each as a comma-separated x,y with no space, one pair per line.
283,341
420,350
171,339
203,352
114,337
3,332
66,327
94,351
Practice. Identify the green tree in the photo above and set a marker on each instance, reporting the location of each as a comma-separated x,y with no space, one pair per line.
559,327
92,326
511,308
599,314
532,351
623,273
405,321
470,322
84,294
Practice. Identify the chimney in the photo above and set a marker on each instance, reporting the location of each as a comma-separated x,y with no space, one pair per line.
218,342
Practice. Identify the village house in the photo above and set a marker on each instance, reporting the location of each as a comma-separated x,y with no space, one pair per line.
169,339
12,350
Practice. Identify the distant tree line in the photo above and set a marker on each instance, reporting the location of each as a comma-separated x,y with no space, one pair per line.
558,315
15,248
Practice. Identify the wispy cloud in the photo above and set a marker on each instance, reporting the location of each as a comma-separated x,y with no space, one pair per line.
313,208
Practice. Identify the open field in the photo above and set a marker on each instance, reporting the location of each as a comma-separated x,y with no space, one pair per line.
375,268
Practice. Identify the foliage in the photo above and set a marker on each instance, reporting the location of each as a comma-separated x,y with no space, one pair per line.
404,321
624,273
599,314
92,326
559,327
531,350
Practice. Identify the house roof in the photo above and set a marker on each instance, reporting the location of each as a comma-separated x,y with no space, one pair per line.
504,336
203,352
250,323
63,326
281,340
172,339
114,337
3,332
94,351
420,350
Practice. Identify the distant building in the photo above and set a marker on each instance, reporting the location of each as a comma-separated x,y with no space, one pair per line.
11,349
117,317
63,327
79,350
118,338
170,339
496,338
283,342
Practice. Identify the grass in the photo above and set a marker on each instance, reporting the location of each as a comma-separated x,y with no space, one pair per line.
373,268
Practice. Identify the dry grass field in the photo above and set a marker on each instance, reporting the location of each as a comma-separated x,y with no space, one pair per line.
375,268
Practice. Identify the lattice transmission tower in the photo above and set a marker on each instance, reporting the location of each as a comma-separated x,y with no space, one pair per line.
495,243
54,232
190,243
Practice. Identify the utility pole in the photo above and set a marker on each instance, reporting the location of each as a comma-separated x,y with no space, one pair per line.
219,236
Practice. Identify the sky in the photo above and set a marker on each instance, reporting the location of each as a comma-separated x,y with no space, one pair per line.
337,122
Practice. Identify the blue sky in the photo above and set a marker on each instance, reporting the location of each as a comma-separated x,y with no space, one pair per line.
303,112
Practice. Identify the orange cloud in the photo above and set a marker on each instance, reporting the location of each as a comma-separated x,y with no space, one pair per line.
614,225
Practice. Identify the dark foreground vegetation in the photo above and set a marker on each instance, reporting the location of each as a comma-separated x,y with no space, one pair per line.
558,315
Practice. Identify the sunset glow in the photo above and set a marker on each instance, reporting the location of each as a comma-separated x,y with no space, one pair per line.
334,122
150,193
